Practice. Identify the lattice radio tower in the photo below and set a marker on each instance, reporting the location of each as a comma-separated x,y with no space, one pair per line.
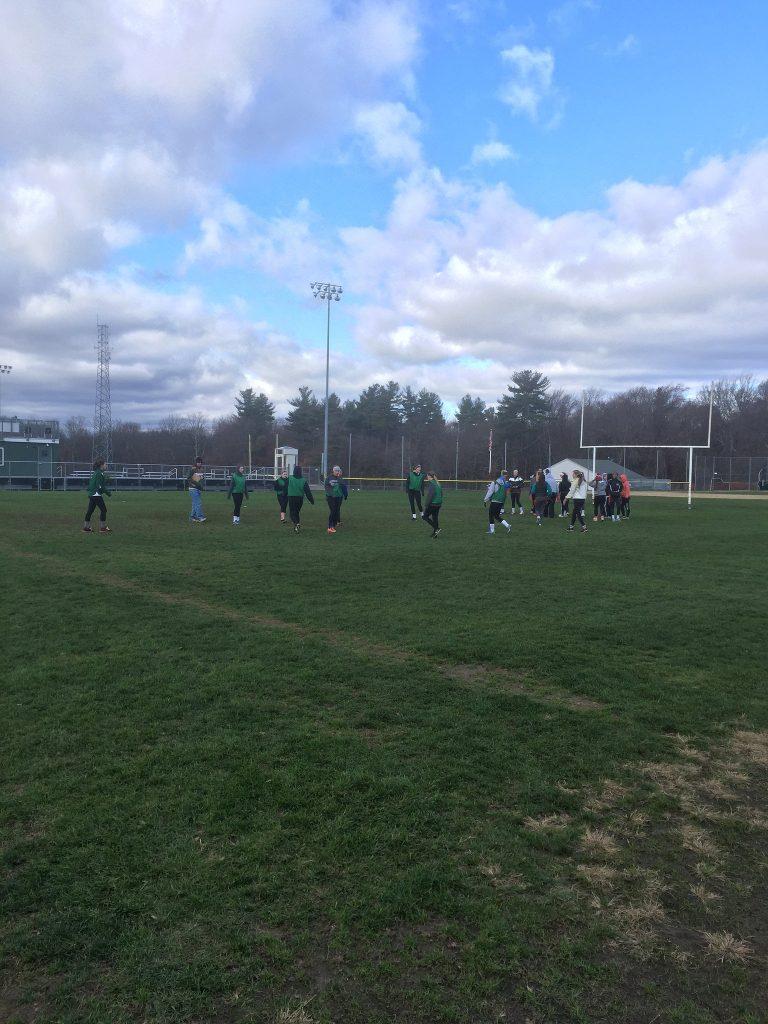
102,417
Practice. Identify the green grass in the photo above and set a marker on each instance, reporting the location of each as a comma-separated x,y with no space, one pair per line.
379,777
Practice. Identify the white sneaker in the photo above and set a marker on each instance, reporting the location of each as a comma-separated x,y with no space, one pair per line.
413,516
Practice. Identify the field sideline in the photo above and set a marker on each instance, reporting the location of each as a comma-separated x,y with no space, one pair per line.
249,776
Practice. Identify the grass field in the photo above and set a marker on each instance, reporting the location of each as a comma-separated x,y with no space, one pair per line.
372,778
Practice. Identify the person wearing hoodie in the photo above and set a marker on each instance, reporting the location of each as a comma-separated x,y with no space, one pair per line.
335,492
238,492
97,487
563,488
433,499
281,490
298,490
626,494
598,504
540,493
515,490
550,478
613,495
494,499
578,495
415,487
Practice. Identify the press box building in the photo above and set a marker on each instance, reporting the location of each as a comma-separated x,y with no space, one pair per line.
29,452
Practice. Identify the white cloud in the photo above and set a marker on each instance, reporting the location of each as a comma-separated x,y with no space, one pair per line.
629,44
290,248
492,152
389,132
61,214
566,16
667,283
532,79
198,74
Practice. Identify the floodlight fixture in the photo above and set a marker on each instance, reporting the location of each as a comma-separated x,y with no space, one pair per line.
325,291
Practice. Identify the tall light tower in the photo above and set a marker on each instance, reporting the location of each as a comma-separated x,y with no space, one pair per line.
102,417
4,370
326,292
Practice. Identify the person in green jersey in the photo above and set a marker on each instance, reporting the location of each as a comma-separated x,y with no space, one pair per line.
281,490
496,495
434,502
238,492
97,488
298,490
335,492
415,486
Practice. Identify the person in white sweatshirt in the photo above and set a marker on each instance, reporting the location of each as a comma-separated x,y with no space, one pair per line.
578,495
496,495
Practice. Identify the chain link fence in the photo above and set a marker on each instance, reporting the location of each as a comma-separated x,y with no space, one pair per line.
710,473
730,473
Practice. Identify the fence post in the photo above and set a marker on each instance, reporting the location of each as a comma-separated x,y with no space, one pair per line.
749,482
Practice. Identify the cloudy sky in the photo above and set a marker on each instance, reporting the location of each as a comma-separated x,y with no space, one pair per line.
580,187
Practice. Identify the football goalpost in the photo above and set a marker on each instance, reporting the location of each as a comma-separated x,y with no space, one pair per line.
690,448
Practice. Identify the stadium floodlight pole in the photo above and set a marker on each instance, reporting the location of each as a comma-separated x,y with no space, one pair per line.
325,291
5,369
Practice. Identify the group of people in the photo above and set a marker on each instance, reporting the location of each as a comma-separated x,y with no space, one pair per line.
611,496
544,492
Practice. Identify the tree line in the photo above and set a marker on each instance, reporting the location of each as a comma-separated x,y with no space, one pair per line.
388,424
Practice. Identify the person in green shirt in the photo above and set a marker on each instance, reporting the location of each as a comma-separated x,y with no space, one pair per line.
335,492
298,490
434,502
281,489
238,492
97,487
415,487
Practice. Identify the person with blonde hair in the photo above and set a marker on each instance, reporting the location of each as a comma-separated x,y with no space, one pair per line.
433,499
578,495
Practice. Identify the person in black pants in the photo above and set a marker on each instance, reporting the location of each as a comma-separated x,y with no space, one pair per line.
563,488
578,495
415,486
281,489
97,486
515,487
335,492
298,490
549,477
434,502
